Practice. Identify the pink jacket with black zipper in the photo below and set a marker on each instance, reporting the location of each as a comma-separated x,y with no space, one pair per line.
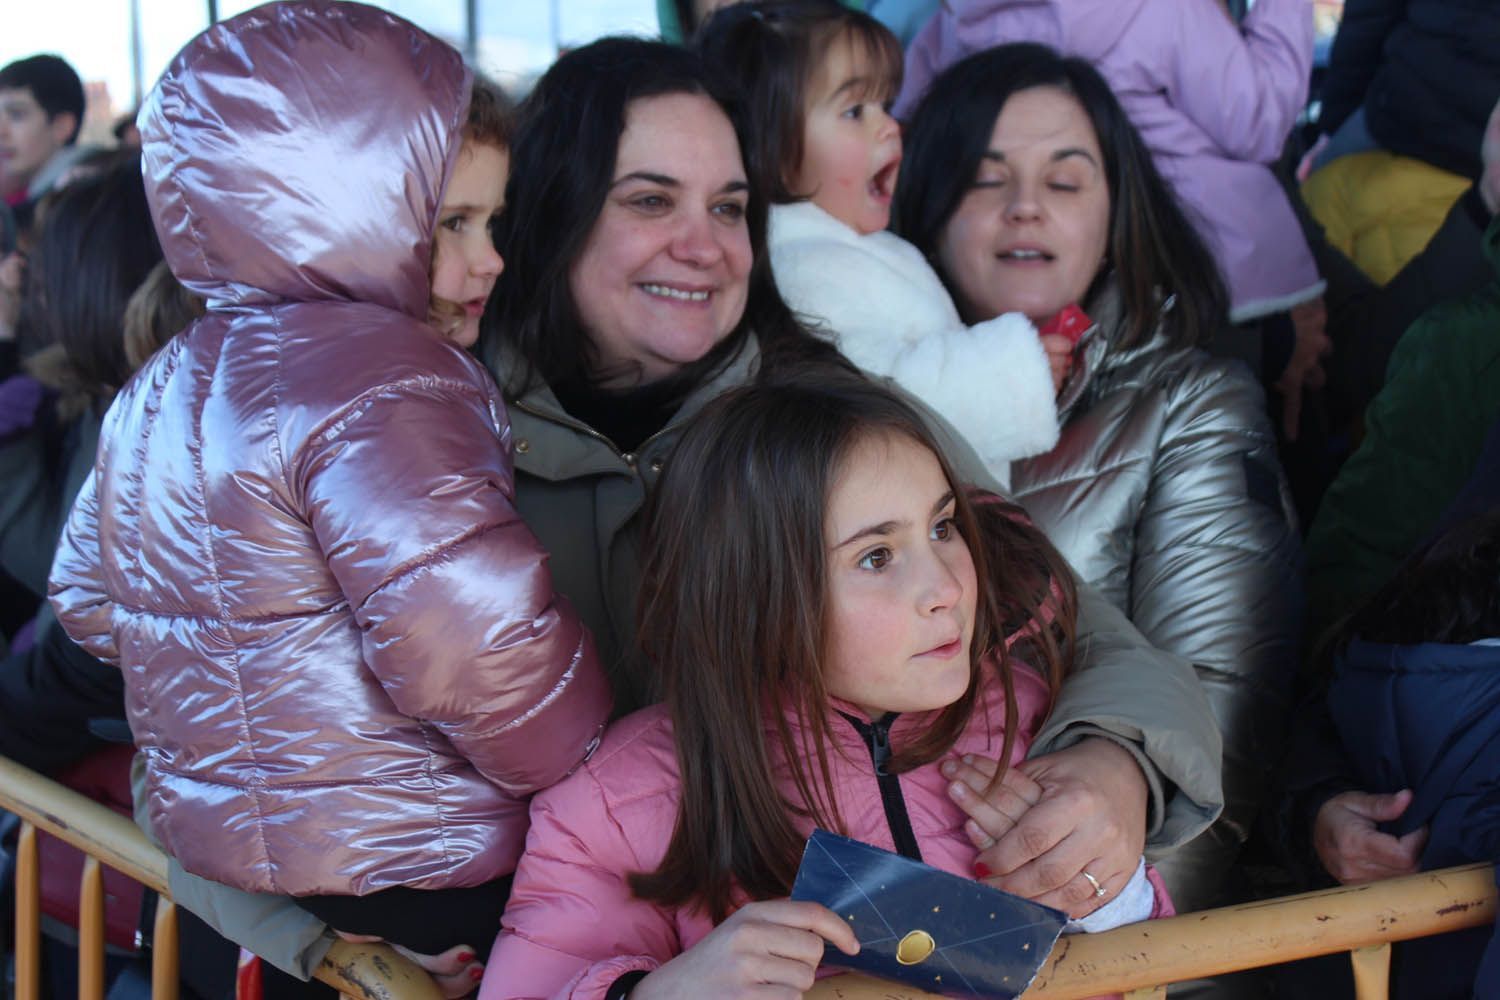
572,927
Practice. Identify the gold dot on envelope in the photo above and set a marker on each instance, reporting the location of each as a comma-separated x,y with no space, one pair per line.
992,916
937,909
915,948
1026,946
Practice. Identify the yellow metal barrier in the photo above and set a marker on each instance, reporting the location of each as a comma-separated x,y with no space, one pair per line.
1143,958
1138,960
358,971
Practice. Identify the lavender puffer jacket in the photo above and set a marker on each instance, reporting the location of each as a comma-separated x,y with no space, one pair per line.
345,663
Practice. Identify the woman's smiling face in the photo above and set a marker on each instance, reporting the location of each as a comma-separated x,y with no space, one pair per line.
665,273
1031,233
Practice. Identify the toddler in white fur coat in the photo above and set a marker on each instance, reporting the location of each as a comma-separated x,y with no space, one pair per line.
820,79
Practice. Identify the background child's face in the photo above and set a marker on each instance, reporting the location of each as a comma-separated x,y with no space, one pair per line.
901,582
851,146
465,263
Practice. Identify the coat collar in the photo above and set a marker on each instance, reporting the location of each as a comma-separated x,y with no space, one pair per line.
553,444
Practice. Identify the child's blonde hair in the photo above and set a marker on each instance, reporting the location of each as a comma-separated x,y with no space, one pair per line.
157,312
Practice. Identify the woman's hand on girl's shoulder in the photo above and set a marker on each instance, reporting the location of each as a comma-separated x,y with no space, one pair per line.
1089,817
992,812
768,949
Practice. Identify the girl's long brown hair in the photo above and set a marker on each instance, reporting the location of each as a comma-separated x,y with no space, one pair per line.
734,608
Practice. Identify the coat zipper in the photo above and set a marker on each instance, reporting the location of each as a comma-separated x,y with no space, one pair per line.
877,737
629,458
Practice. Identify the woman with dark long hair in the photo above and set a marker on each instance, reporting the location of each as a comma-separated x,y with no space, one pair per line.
1029,190
638,289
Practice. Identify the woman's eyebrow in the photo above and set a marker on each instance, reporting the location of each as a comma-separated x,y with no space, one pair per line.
664,180
648,177
998,155
1063,154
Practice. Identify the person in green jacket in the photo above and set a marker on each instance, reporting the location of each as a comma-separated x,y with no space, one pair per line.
1424,432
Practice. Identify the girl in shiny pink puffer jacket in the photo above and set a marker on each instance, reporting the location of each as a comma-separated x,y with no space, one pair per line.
345,664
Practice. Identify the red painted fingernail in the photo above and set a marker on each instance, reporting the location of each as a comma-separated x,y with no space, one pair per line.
476,973
466,957
982,870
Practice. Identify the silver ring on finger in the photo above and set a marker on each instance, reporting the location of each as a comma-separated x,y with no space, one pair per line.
1099,889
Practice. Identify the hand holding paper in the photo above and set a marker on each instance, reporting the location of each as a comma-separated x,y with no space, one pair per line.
776,943
925,927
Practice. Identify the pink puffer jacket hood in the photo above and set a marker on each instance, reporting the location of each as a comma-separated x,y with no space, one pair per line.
297,153
345,664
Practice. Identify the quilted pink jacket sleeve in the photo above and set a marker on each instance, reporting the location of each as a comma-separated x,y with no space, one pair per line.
76,584
572,926
411,499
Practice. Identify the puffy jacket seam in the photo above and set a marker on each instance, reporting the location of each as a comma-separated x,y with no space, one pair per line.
562,951
432,555
556,692
234,650
1243,547
604,756
188,214
170,366
334,424
458,765
432,787
276,394
1074,476
228,619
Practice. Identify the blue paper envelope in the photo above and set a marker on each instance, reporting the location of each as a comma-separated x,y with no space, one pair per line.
924,927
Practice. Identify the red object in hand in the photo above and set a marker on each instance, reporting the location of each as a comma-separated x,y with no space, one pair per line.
1070,321
248,981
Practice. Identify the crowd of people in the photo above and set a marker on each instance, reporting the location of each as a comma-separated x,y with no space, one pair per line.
508,530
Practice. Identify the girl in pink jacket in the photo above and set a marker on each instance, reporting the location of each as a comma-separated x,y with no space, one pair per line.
840,632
